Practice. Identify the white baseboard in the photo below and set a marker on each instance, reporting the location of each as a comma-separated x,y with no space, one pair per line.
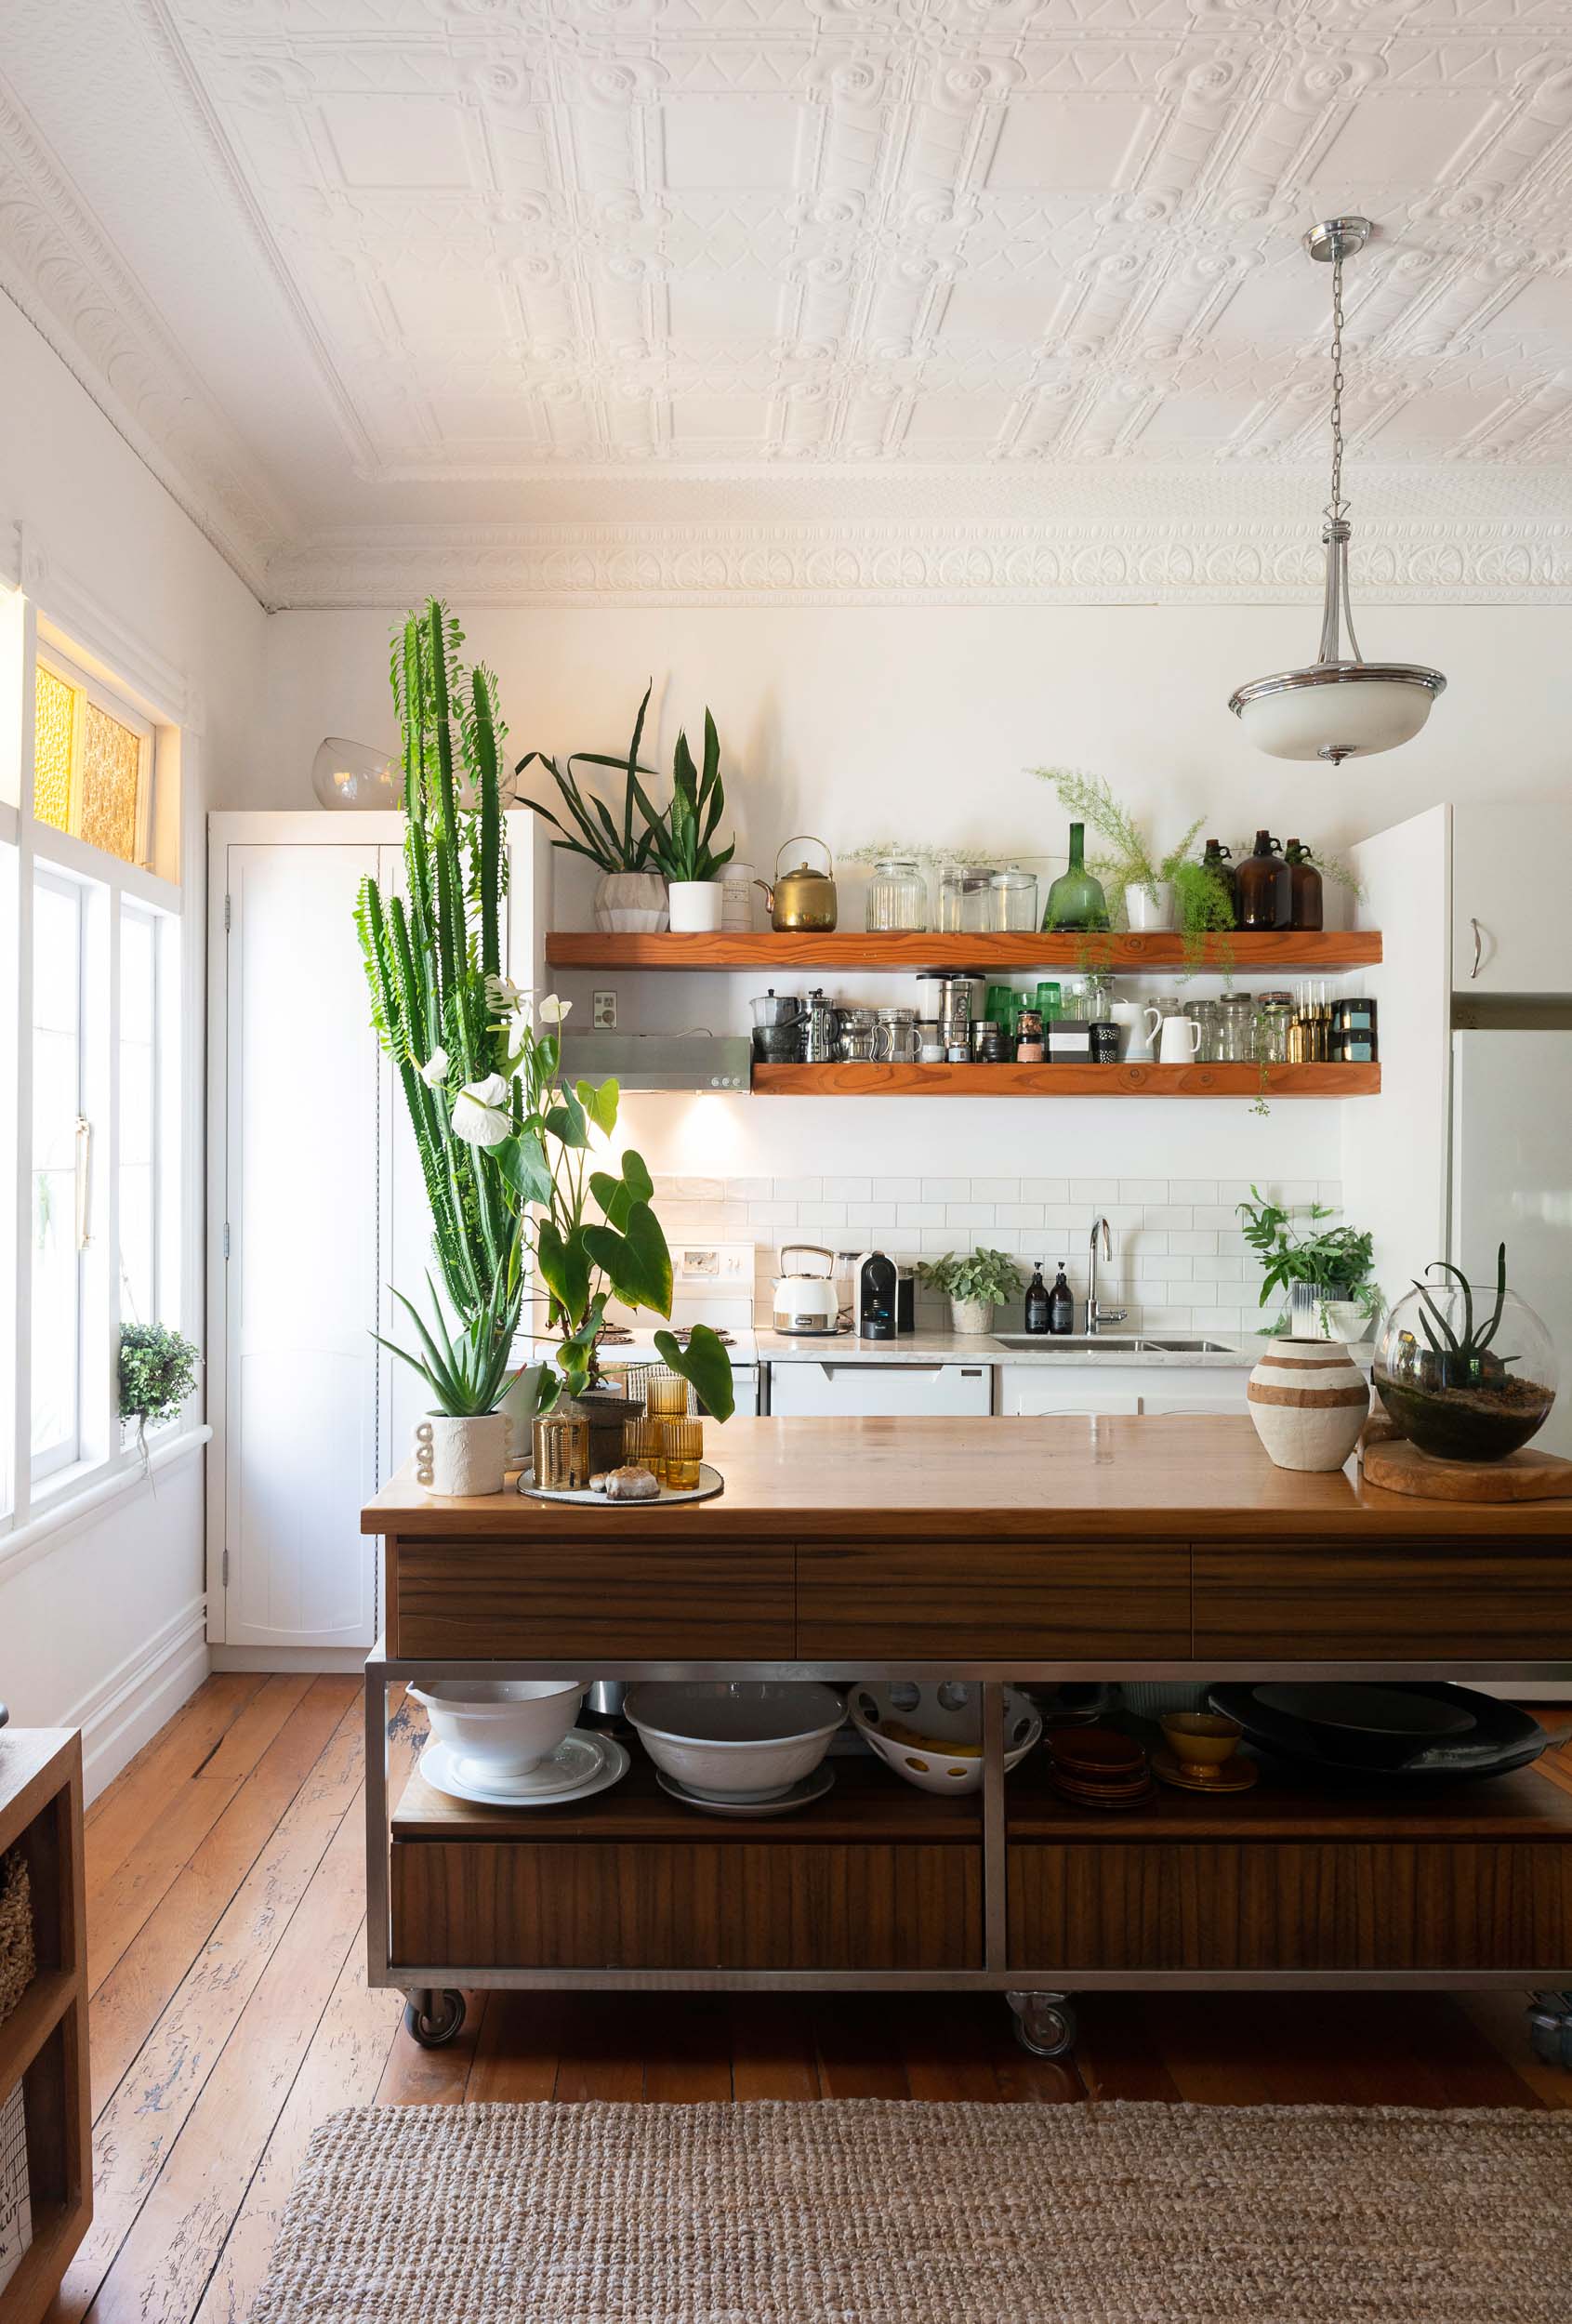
306,1658
128,1708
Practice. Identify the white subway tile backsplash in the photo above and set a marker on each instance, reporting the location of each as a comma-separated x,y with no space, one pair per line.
772,1214
1222,1267
971,1217
1144,1190
848,1190
821,1214
1214,1214
1194,1238
897,1190
947,1190
798,1189
920,1214
1169,1214
995,1190
871,1218
1019,1214
1045,1189
1192,1190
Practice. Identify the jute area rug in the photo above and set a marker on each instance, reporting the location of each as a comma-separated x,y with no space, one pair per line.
865,2212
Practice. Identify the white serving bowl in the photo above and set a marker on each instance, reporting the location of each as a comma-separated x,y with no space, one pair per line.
947,1711
501,1726
740,1739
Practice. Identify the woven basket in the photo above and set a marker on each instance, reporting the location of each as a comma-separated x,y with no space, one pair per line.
17,1959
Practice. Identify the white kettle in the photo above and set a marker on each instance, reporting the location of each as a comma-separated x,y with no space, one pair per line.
807,1303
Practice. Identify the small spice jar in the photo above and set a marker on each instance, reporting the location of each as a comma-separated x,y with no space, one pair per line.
1028,1036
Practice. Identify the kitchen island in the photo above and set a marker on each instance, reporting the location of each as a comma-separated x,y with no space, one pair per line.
995,1550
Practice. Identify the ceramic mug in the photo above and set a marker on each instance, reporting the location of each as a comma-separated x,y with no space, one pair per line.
467,1454
1181,1043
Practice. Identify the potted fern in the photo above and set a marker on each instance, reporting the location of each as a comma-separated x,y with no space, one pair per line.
974,1285
1131,872
682,838
631,894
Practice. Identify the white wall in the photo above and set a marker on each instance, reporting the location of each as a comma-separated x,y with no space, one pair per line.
101,1621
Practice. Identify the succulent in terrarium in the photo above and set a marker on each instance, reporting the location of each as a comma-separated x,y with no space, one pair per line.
1447,1383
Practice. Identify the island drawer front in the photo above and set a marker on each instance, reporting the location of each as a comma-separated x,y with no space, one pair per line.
1381,1905
885,1598
697,1904
643,1598
1413,1602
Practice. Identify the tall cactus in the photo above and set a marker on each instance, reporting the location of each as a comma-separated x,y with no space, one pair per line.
429,954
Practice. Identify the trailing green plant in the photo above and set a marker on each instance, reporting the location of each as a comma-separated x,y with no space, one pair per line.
465,1365
989,1275
1128,860
157,1372
1337,1258
683,836
592,831
1205,912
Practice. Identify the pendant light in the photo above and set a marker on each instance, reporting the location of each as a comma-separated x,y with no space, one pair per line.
1342,707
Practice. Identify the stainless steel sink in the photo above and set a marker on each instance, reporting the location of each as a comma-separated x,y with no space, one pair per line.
1108,1343
1188,1347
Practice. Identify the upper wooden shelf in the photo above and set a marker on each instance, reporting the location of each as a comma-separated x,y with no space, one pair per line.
1244,954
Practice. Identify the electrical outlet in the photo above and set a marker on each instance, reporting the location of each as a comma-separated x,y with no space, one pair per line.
603,1012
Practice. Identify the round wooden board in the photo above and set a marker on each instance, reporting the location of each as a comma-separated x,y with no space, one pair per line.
1399,1467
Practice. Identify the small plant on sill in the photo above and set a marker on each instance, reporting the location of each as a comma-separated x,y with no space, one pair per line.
974,1285
1338,1259
157,1372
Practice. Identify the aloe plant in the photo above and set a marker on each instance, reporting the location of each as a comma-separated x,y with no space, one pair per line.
465,1368
591,830
698,800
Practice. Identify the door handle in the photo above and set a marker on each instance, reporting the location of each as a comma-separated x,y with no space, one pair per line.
84,1181
1478,945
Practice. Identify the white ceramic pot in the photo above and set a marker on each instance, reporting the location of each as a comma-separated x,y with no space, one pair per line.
1309,1401
517,1408
1149,909
910,1725
500,1726
695,907
630,903
461,1456
971,1315
736,1738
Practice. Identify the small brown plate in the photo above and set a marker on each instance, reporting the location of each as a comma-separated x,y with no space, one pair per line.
1237,1774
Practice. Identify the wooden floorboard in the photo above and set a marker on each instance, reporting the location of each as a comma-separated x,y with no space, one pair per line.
226,1908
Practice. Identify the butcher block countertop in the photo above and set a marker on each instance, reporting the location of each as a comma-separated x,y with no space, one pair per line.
1181,1478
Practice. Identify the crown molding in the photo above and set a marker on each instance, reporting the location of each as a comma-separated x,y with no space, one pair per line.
1486,562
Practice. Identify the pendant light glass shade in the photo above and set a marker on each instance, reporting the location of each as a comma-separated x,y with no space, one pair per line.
1340,706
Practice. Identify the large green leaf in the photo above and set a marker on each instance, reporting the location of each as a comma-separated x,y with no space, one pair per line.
564,1267
599,1101
617,1195
522,1163
704,1362
567,1123
636,1177
637,1261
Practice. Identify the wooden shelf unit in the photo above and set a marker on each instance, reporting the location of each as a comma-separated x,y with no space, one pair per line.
844,1080
44,2043
1241,954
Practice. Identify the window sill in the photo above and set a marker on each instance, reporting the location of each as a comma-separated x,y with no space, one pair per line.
74,1507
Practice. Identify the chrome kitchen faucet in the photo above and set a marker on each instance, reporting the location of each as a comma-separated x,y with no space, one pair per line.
1097,1315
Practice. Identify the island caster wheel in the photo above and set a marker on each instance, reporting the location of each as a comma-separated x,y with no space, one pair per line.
434,2019
1045,2023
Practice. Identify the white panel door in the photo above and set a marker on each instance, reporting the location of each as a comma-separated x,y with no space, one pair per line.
1068,1390
1511,930
881,1390
301,1291
1205,1391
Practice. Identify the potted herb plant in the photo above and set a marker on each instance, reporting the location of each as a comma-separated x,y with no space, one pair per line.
1336,1260
631,894
1442,1379
157,1372
682,838
1131,873
974,1285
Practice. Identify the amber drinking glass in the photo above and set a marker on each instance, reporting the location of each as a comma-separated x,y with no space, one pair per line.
666,1393
643,1445
685,1451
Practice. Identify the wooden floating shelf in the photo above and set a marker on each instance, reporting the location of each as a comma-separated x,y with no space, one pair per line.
1064,1081
1120,955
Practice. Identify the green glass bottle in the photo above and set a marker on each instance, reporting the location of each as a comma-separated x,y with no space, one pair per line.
1075,899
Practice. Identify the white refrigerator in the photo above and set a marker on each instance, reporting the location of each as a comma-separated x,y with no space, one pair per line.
1511,1180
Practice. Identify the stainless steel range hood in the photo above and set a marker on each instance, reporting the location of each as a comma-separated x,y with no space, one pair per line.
661,1061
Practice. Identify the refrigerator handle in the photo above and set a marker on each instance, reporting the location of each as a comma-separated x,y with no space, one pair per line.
1478,943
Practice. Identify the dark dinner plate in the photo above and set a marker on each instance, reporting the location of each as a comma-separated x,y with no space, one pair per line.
1500,1738
1370,1726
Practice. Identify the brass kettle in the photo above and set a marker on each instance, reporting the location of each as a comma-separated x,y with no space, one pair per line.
801,900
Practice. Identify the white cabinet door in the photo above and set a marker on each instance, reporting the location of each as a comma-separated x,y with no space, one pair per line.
882,1391
1511,930
300,1405
1208,1392
1052,1390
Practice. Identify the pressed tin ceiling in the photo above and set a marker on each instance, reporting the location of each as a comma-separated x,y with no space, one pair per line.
830,296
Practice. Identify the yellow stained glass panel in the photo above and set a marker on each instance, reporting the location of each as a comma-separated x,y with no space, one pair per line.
54,747
111,760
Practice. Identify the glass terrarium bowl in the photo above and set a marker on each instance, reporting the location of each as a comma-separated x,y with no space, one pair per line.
1465,1403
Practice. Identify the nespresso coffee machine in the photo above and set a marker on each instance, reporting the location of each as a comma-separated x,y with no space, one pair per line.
876,1311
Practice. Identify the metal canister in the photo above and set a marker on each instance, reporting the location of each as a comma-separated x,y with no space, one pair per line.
821,1029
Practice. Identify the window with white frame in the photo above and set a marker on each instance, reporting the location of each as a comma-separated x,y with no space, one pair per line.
92,1052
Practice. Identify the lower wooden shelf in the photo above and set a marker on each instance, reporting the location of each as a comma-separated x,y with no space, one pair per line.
1065,1082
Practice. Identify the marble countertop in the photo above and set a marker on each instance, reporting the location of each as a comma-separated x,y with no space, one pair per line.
1237,1351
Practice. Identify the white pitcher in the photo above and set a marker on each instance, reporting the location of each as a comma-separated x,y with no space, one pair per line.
1135,1037
1181,1043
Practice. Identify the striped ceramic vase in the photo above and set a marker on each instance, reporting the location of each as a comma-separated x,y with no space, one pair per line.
1308,1399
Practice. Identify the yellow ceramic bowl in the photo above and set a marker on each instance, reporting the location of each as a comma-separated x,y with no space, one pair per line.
1202,1741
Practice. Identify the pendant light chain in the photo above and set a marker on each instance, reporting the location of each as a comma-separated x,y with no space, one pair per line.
1337,505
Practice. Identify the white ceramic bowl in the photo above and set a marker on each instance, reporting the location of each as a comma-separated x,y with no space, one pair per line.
737,1739
501,1726
947,1710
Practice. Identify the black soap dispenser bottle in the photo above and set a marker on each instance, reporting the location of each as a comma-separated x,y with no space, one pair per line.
1060,1306
1037,1301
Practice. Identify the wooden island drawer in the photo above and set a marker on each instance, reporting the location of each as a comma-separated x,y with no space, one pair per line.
986,1601
635,1598
1392,1601
1379,1904
690,1904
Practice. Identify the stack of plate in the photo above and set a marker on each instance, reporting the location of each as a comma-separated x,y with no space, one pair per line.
581,1765
1098,1767
1426,1732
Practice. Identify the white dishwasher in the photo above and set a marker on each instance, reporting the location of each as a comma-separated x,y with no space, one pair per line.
812,1391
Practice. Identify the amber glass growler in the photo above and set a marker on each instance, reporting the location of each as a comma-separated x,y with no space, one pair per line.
1306,886
1265,887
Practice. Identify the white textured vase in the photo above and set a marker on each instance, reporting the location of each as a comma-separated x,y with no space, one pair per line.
971,1315
1309,1401
695,907
464,1455
1149,910
517,1408
630,903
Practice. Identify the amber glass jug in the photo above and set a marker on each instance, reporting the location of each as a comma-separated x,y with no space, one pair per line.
1265,887
1306,885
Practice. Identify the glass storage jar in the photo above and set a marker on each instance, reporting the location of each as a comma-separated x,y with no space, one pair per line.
976,902
897,897
1206,1014
948,878
1275,1014
1236,1016
1016,900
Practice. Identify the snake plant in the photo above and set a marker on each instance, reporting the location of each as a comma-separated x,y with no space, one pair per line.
682,835
591,830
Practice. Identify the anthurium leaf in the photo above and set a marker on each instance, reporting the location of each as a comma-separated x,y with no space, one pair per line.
637,1261
580,1342
522,1162
615,1198
636,1177
599,1101
567,1123
704,1362
563,1266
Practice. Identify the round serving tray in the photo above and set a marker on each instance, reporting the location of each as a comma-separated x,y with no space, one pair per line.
710,1482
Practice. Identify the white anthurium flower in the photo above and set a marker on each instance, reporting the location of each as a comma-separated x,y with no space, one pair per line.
479,1112
504,998
433,1072
553,1010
